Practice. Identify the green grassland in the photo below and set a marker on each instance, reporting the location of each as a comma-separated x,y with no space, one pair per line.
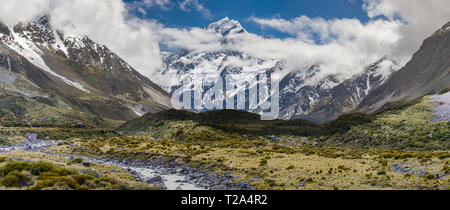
407,127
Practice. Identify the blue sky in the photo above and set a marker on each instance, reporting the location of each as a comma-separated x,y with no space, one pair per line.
241,10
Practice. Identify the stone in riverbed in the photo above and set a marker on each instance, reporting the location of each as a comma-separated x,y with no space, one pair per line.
31,137
163,171
156,181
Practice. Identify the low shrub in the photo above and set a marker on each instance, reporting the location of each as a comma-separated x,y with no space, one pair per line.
446,90
41,167
381,173
14,166
429,177
77,160
82,188
47,175
82,178
446,169
65,182
263,161
16,179
43,184
290,167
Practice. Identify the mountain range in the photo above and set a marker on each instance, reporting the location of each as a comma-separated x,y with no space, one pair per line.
302,94
46,74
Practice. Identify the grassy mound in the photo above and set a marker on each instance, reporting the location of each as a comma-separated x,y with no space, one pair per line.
245,123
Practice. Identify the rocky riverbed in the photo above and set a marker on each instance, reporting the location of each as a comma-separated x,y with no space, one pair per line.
173,175
170,175
32,144
404,168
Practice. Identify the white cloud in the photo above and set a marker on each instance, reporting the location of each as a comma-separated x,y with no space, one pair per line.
161,3
422,19
142,5
187,5
13,11
340,46
192,39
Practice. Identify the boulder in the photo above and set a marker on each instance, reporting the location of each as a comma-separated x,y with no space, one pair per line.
31,137
156,181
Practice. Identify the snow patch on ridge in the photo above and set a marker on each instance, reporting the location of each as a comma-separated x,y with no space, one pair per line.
75,41
137,110
59,44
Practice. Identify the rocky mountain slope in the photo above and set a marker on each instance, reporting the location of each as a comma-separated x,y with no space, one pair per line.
302,93
72,72
427,72
330,97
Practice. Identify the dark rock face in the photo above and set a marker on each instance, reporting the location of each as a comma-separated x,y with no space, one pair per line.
4,29
427,72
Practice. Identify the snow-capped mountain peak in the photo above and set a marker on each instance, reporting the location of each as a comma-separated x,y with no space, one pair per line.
75,66
226,26
30,39
306,93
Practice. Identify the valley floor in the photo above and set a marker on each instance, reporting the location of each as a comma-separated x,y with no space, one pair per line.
285,164
402,149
